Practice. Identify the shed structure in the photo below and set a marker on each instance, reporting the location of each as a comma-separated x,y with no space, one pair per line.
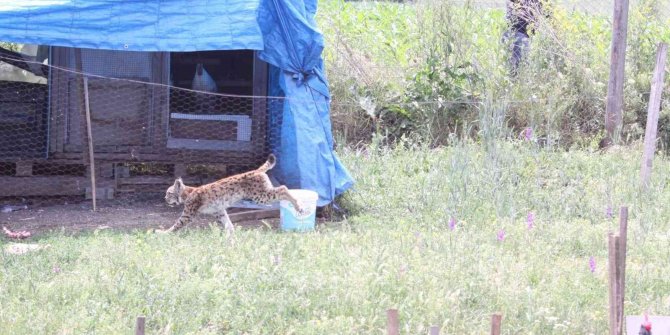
171,85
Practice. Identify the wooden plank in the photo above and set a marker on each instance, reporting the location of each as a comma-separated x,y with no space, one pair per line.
621,262
652,114
230,158
140,325
42,185
213,145
614,248
392,322
613,110
254,215
496,324
24,169
156,180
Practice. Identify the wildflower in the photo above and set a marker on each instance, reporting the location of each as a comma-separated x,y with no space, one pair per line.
608,212
528,133
452,223
56,269
592,264
501,235
530,220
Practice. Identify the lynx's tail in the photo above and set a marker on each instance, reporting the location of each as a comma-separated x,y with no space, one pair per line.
269,164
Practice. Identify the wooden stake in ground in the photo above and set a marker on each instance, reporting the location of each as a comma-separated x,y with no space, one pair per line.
623,236
496,324
652,114
392,323
613,111
139,326
615,308
90,142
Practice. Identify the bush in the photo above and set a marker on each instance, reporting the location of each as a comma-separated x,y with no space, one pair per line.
434,70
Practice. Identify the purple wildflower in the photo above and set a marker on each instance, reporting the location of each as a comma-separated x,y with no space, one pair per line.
609,213
452,223
56,269
501,235
528,133
530,220
592,264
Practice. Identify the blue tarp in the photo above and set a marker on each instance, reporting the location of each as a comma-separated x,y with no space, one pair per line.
283,30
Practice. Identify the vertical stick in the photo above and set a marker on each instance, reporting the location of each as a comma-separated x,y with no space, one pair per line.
139,326
496,322
614,280
90,143
434,330
623,236
392,323
613,111
652,114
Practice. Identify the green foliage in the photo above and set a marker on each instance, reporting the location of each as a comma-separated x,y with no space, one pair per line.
16,47
431,68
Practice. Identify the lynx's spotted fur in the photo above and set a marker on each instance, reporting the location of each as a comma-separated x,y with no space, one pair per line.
216,197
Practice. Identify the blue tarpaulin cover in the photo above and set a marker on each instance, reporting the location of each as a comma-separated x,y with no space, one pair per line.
284,31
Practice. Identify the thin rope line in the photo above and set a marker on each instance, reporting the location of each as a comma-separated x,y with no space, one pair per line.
333,103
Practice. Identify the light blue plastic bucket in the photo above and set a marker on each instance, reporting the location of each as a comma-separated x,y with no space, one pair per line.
291,220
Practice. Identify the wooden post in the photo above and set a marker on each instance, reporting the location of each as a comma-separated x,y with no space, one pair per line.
652,114
616,309
139,326
623,236
434,330
392,323
90,143
496,324
613,110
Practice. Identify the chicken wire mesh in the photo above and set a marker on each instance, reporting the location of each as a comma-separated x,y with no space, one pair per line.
204,123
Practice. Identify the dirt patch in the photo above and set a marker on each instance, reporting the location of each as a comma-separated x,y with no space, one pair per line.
69,217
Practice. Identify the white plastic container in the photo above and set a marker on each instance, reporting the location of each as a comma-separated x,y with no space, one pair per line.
291,220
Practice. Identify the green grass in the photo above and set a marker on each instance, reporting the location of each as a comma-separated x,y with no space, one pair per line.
394,250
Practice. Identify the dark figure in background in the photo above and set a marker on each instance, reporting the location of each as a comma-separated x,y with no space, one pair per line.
522,16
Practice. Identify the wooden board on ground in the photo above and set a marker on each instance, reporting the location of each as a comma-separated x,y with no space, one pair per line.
43,185
255,215
660,325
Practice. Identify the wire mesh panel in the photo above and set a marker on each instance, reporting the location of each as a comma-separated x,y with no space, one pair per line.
143,119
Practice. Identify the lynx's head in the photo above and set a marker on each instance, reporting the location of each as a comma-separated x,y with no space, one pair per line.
174,193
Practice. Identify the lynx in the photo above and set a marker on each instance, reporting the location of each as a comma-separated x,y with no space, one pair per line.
216,197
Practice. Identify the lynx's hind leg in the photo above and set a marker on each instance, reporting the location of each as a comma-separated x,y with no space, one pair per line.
282,193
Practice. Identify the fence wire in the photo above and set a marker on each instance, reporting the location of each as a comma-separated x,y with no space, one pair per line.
202,124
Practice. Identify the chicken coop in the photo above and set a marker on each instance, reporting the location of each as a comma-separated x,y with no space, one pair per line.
134,94
150,115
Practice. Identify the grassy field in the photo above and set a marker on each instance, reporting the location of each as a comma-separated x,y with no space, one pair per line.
396,249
